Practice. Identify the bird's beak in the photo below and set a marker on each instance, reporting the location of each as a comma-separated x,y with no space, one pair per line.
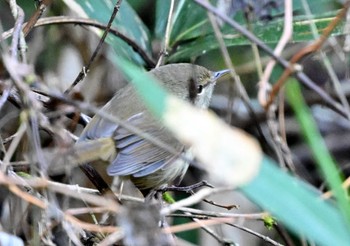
219,74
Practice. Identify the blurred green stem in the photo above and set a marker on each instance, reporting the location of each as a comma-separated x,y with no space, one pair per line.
318,147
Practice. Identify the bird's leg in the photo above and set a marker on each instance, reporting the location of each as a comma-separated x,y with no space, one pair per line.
156,193
121,190
149,194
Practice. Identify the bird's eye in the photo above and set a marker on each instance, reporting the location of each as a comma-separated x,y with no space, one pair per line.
199,89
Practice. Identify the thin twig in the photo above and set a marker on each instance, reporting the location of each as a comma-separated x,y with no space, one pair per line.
188,215
45,205
255,216
206,228
112,238
264,85
276,140
196,225
329,194
169,25
18,14
87,210
35,17
238,84
194,213
237,81
86,69
27,197
346,46
284,234
257,59
13,146
78,193
198,197
265,238
5,95
215,235
88,226
35,139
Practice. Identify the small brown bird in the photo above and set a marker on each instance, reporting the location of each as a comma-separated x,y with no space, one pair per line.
145,164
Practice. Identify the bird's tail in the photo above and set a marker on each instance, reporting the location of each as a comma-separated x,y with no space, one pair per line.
61,160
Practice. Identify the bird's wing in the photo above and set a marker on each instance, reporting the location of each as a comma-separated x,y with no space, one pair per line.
98,128
137,156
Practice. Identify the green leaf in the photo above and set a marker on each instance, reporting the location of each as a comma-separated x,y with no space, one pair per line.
316,6
298,206
162,12
267,32
190,21
126,22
